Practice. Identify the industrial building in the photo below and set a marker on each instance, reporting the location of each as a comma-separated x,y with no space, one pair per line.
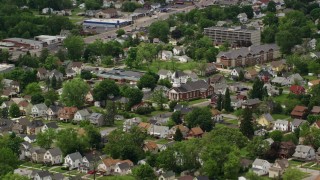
235,36
49,39
106,23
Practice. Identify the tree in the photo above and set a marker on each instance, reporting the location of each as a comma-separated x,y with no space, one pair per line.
51,62
147,81
75,46
32,89
227,101
271,7
293,174
176,117
120,32
129,6
176,34
45,139
172,105
134,95
257,90
160,98
178,136
144,172
286,40
54,83
86,75
74,92
14,111
276,135
246,126
248,10
165,82
75,141
51,96
111,112
257,147
241,76
37,99
44,54
11,176
93,136
200,117
93,4
105,89
8,161
159,29
219,102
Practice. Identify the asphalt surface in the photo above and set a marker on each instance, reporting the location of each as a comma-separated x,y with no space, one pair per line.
141,22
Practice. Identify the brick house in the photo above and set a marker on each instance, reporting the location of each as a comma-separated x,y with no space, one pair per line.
67,113
298,90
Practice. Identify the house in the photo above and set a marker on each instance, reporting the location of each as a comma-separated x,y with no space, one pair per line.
89,161
39,110
37,155
286,149
216,115
217,79
250,74
30,138
50,125
76,67
81,115
42,73
278,168
67,113
296,123
298,90
260,167
34,127
129,123
47,10
25,150
20,126
278,66
313,82
97,119
281,125
109,165
23,172
304,153
43,175
183,129
53,156
235,73
209,70
316,124
190,90
52,112
106,13
182,59
242,17
73,161
155,6
178,50
56,74
123,168
251,103
164,74
150,146
11,84
299,112
166,55
169,175
195,132
25,107
178,78
158,131
265,120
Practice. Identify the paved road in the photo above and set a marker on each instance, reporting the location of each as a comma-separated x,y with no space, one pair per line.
141,22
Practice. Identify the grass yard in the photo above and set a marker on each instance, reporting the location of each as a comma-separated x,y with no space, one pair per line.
116,178
197,101
282,98
310,78
294,163
155,66
65,125
244,152
280,116
162,141
232,121
58,169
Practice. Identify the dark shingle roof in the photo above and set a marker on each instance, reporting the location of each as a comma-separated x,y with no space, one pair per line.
75,156
124,166
192,86
52,125
55,151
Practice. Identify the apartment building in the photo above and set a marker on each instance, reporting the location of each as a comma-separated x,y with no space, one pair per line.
236,36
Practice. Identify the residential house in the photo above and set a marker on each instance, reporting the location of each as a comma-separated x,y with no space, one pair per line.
55,73
34,127
313,82
39,110
251,103
235,103
89,161
23,172
178,78
25,150
160,119
281,125
235,73
304,153
278,66
50,125
108,166
53,156
30,138
158,131
121,76
76,67
150,146
166,55
164,74
37,155
183,129
52,112
106,13
42,73
81,115
243,18
265,120
191,90
11,84
298,90
20,126
5,126
8,93
97,119
43,175
296,123
195,132
250,74
286,149
67,113
129,123
272,90
217,79
178,50
6,104
316,124
209,70
73,160
315,110
278,168
25,107
299,112
261,167
123,168
216,115
182,59
169,175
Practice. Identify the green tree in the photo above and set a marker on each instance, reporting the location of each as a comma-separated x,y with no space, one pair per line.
8,161
200,117
172,105
32,89
130,6
286,40
14,111
165,82
75,141
176,117
246,126
51,62
160,98
111,112
271,7
257,147
144,172
257,89
51,96
11,176
75,46
44,54
227,101
105,89
159,29
276,135
293,174
219,102
37,99
178,136
45,139
248,10
93,4
147,81
93,136
86,75
120,32
134,95
54,83
74,92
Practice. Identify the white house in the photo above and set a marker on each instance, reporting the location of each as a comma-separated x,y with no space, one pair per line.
296,123
261,167
183,58
73,161
164,74
178,78
281,125
53,156
242,17
81,115
42,175
30,138
47,10
166,55
158,131
178,50
122,168
312,44
39,110
304,153
236,72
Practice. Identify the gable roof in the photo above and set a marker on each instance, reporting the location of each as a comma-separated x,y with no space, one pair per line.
168,174
259,162
151,145
35,123
40,106
298,122
268,117
75,156
55,151
124,166
192,86
196,131
43,174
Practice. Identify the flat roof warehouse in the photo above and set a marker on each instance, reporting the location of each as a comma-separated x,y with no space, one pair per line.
107,21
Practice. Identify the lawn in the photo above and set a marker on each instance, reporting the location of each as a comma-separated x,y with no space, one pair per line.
162,141
310,78
280,116
155,66
282,98
197,101
117,178
232,121
65,125
58,169
294,163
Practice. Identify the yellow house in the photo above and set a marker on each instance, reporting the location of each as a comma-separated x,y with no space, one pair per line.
265,120
278,66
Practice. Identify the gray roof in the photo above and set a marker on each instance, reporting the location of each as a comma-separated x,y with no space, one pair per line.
251,102
163,72
75,156
54,108
279,121
121,74
259,162
192,86
35,123
41,106
202,178
57,176
268,117
55,151
43,174
95,116
52,125
302,151
124,166
55,73
255,49
178,74
84,112
168,174
298,122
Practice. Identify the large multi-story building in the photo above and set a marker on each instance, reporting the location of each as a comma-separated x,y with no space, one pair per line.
248,56
235,36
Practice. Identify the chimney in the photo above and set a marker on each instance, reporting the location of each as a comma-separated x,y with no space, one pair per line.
209,81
